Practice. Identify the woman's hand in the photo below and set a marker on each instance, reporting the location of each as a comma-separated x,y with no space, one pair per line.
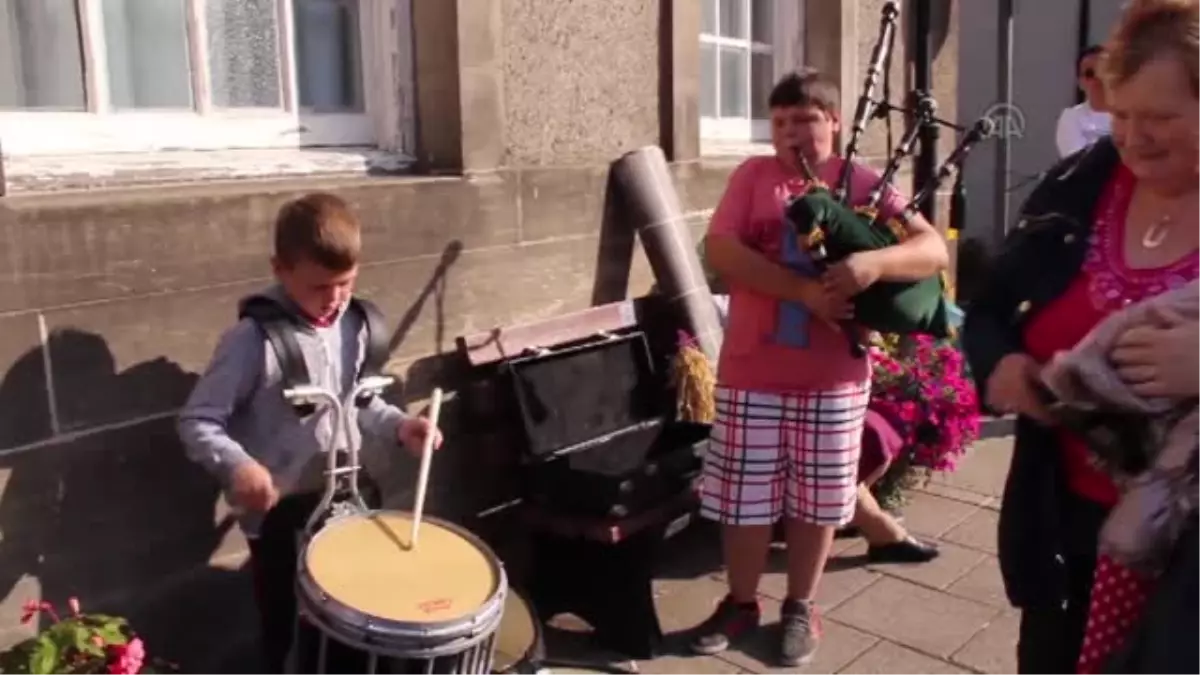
1159,358
1010,388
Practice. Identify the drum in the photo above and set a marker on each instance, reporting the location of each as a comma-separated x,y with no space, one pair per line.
369,603
519,643
521,648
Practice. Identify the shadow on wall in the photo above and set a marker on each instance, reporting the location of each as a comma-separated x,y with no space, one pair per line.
120,519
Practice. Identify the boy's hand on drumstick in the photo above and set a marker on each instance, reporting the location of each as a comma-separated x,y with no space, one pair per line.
253,488
412,433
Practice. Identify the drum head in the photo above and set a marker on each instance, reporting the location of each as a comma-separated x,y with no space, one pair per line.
366,562
519,635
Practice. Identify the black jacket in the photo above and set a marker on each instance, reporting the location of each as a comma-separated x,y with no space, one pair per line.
1037,262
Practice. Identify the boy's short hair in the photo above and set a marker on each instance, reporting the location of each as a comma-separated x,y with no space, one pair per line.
318,227
806,88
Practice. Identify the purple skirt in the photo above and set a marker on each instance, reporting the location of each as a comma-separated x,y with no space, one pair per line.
880,445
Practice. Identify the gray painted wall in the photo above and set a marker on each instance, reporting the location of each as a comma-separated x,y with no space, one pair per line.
1045,43
1104,15
1043,61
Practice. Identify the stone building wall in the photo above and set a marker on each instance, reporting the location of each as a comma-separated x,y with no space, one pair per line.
111,300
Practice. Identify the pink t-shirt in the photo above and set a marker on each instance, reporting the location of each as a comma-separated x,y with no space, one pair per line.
755,356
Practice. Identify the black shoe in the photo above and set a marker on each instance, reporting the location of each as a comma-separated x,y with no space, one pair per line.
801,628
908,550
847,532
729,622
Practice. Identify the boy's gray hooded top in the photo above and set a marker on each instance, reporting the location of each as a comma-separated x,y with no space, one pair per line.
237,411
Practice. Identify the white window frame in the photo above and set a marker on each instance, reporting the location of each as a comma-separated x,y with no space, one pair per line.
386,121
786,46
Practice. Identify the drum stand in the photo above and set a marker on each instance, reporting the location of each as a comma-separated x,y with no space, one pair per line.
343,477
341,496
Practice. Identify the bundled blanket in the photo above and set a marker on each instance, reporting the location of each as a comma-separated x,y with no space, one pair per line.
1149,445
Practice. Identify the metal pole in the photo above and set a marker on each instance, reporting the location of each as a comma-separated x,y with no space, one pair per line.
1085,39
926,166
1004,92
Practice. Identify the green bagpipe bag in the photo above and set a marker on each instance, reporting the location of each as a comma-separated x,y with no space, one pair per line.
918,307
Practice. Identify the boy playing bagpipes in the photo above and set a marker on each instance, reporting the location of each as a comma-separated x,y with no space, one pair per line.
791,398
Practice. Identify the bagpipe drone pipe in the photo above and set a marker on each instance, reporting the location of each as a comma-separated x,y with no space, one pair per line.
830,229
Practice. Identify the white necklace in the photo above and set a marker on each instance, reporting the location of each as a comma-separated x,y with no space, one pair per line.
1157,233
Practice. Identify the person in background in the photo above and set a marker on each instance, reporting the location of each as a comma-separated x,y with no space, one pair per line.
1081,125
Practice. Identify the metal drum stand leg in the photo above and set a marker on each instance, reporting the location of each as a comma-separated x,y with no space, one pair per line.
341,495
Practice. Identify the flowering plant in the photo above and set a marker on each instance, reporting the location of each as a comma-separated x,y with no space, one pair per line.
78,643
922,388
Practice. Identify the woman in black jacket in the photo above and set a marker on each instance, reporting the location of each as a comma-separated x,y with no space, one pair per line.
1110,225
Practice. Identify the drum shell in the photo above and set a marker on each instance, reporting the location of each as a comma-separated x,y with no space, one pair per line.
401,639
509,658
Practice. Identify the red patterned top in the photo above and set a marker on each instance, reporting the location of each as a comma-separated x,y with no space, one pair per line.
1105,285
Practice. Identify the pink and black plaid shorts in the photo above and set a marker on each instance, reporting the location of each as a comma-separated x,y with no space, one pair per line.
784,455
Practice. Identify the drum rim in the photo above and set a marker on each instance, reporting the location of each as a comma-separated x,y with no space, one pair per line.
485,619
379,645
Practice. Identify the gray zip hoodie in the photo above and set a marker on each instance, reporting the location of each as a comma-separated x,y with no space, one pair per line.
237,412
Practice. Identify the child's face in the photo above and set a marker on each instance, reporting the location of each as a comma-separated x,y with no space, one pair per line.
805,127
319,291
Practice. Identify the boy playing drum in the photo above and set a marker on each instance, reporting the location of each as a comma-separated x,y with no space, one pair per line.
237,424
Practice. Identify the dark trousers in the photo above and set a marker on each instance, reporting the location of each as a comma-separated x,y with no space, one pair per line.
273,557
1051,636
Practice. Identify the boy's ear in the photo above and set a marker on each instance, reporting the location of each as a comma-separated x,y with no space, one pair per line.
277,265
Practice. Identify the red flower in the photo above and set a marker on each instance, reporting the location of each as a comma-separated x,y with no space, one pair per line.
29,610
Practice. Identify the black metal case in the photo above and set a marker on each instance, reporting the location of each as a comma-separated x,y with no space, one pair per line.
599,437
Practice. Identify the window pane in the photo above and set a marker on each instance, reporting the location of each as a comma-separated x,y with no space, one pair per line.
762,21
329,70
708,19
41,61
733,18
147,48
762,78
708,80
243,53
734,88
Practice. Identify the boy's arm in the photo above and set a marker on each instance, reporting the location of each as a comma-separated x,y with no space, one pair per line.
735,262
229,380
381,420
920,256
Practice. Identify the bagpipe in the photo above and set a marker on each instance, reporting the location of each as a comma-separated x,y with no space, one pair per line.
829,229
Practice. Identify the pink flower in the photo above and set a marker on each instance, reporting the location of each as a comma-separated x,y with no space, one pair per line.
73,605
126,658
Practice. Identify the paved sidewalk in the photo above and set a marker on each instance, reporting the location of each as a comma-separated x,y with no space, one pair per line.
947,616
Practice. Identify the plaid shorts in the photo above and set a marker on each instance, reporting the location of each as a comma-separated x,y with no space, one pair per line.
784,455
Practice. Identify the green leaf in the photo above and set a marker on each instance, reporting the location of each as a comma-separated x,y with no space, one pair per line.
44,659
113,630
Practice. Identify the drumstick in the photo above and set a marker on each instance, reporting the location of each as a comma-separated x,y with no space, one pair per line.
435,407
